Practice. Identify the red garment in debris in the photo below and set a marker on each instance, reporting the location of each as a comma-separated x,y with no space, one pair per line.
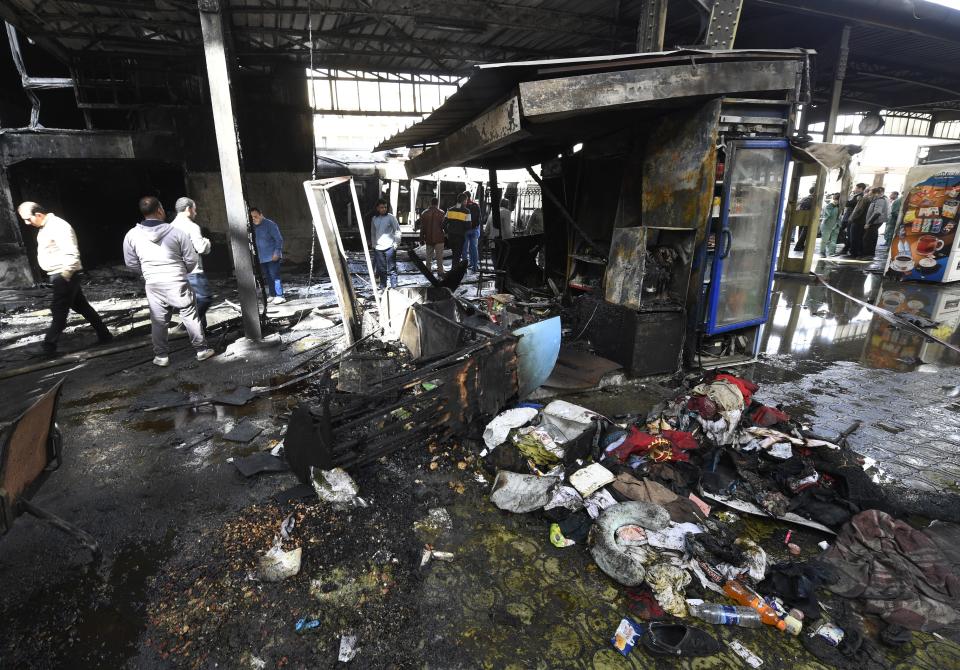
747,387
643,605
767,416
703,406
670,445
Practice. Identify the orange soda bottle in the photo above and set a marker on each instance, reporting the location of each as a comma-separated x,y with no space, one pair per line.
745,596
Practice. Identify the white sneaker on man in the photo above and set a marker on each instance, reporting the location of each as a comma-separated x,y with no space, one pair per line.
205,354
162,361
278,300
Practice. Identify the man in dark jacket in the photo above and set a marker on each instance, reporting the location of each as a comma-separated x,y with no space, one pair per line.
456,223
431,234
851,204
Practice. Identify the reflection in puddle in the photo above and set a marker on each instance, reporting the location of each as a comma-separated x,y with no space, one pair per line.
808,321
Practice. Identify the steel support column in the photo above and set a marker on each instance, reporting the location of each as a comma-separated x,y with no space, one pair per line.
218,76
829,128
653,21
722,27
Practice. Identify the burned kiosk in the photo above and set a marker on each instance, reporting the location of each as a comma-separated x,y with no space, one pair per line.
662,178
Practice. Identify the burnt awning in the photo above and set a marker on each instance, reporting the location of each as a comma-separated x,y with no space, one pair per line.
571,100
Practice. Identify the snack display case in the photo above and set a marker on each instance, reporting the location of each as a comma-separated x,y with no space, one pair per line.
925,243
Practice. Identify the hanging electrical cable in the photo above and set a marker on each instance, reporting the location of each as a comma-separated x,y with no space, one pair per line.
313,168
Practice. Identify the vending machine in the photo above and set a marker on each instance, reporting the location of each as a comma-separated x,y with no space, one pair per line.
925,241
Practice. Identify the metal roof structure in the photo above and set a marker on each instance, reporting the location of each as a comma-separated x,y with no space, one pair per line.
492,83
902,52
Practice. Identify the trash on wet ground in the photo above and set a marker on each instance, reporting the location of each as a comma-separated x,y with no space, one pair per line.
348,648
243,431
337,488
277,564
649,497
259,463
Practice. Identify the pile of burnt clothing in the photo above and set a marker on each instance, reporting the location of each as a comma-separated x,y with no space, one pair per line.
627,492
649,498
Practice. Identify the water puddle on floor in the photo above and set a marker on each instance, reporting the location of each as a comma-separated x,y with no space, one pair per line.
85,620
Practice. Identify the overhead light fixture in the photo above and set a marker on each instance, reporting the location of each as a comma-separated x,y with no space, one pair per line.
871,123
437,24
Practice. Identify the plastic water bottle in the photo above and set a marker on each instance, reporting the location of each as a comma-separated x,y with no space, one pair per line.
730,615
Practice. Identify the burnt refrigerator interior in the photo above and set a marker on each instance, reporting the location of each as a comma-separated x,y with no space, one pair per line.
737,258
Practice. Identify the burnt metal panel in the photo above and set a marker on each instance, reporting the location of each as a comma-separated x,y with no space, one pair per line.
27,448
492,130
623,279
438,400
679,168
553,99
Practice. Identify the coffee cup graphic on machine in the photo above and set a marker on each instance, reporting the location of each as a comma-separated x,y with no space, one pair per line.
928,245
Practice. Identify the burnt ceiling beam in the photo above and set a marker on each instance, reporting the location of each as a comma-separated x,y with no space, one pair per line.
28,27
493,13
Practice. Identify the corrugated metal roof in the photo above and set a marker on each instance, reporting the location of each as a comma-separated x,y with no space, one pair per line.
451,38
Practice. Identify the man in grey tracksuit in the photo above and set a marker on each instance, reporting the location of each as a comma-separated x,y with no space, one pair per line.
164,256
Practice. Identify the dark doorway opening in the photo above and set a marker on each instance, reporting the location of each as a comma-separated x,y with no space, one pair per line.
97,197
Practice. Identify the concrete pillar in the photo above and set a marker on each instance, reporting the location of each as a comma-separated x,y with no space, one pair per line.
215,52
15,269
828,131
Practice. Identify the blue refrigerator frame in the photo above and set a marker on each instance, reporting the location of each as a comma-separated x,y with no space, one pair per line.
726,236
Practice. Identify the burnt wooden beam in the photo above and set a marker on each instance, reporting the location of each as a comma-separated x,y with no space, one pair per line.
554,99
492,130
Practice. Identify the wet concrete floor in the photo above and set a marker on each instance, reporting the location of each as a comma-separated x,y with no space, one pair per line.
173,514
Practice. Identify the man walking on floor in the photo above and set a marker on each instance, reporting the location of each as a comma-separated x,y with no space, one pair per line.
385,236
165,256
59,256
431,235
270,250
185,220
456,223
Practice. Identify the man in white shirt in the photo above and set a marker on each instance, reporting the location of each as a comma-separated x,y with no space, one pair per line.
59,256
506,223
185,220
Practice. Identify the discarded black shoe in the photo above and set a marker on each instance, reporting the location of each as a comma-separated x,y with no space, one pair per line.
677,639
895,636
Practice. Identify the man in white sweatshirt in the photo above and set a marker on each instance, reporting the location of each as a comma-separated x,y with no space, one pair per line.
59,257
185,220
164,256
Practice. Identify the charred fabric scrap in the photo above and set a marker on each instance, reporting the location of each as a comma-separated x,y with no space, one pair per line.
437,400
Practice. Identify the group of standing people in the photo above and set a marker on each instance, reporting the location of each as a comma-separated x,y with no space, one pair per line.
167,255
857,223
458,228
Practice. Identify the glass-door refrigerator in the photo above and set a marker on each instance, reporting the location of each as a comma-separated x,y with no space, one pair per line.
750,217
745,230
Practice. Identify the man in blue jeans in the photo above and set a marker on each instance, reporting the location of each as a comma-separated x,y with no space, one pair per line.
471,242
385,237
185,220
270,249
